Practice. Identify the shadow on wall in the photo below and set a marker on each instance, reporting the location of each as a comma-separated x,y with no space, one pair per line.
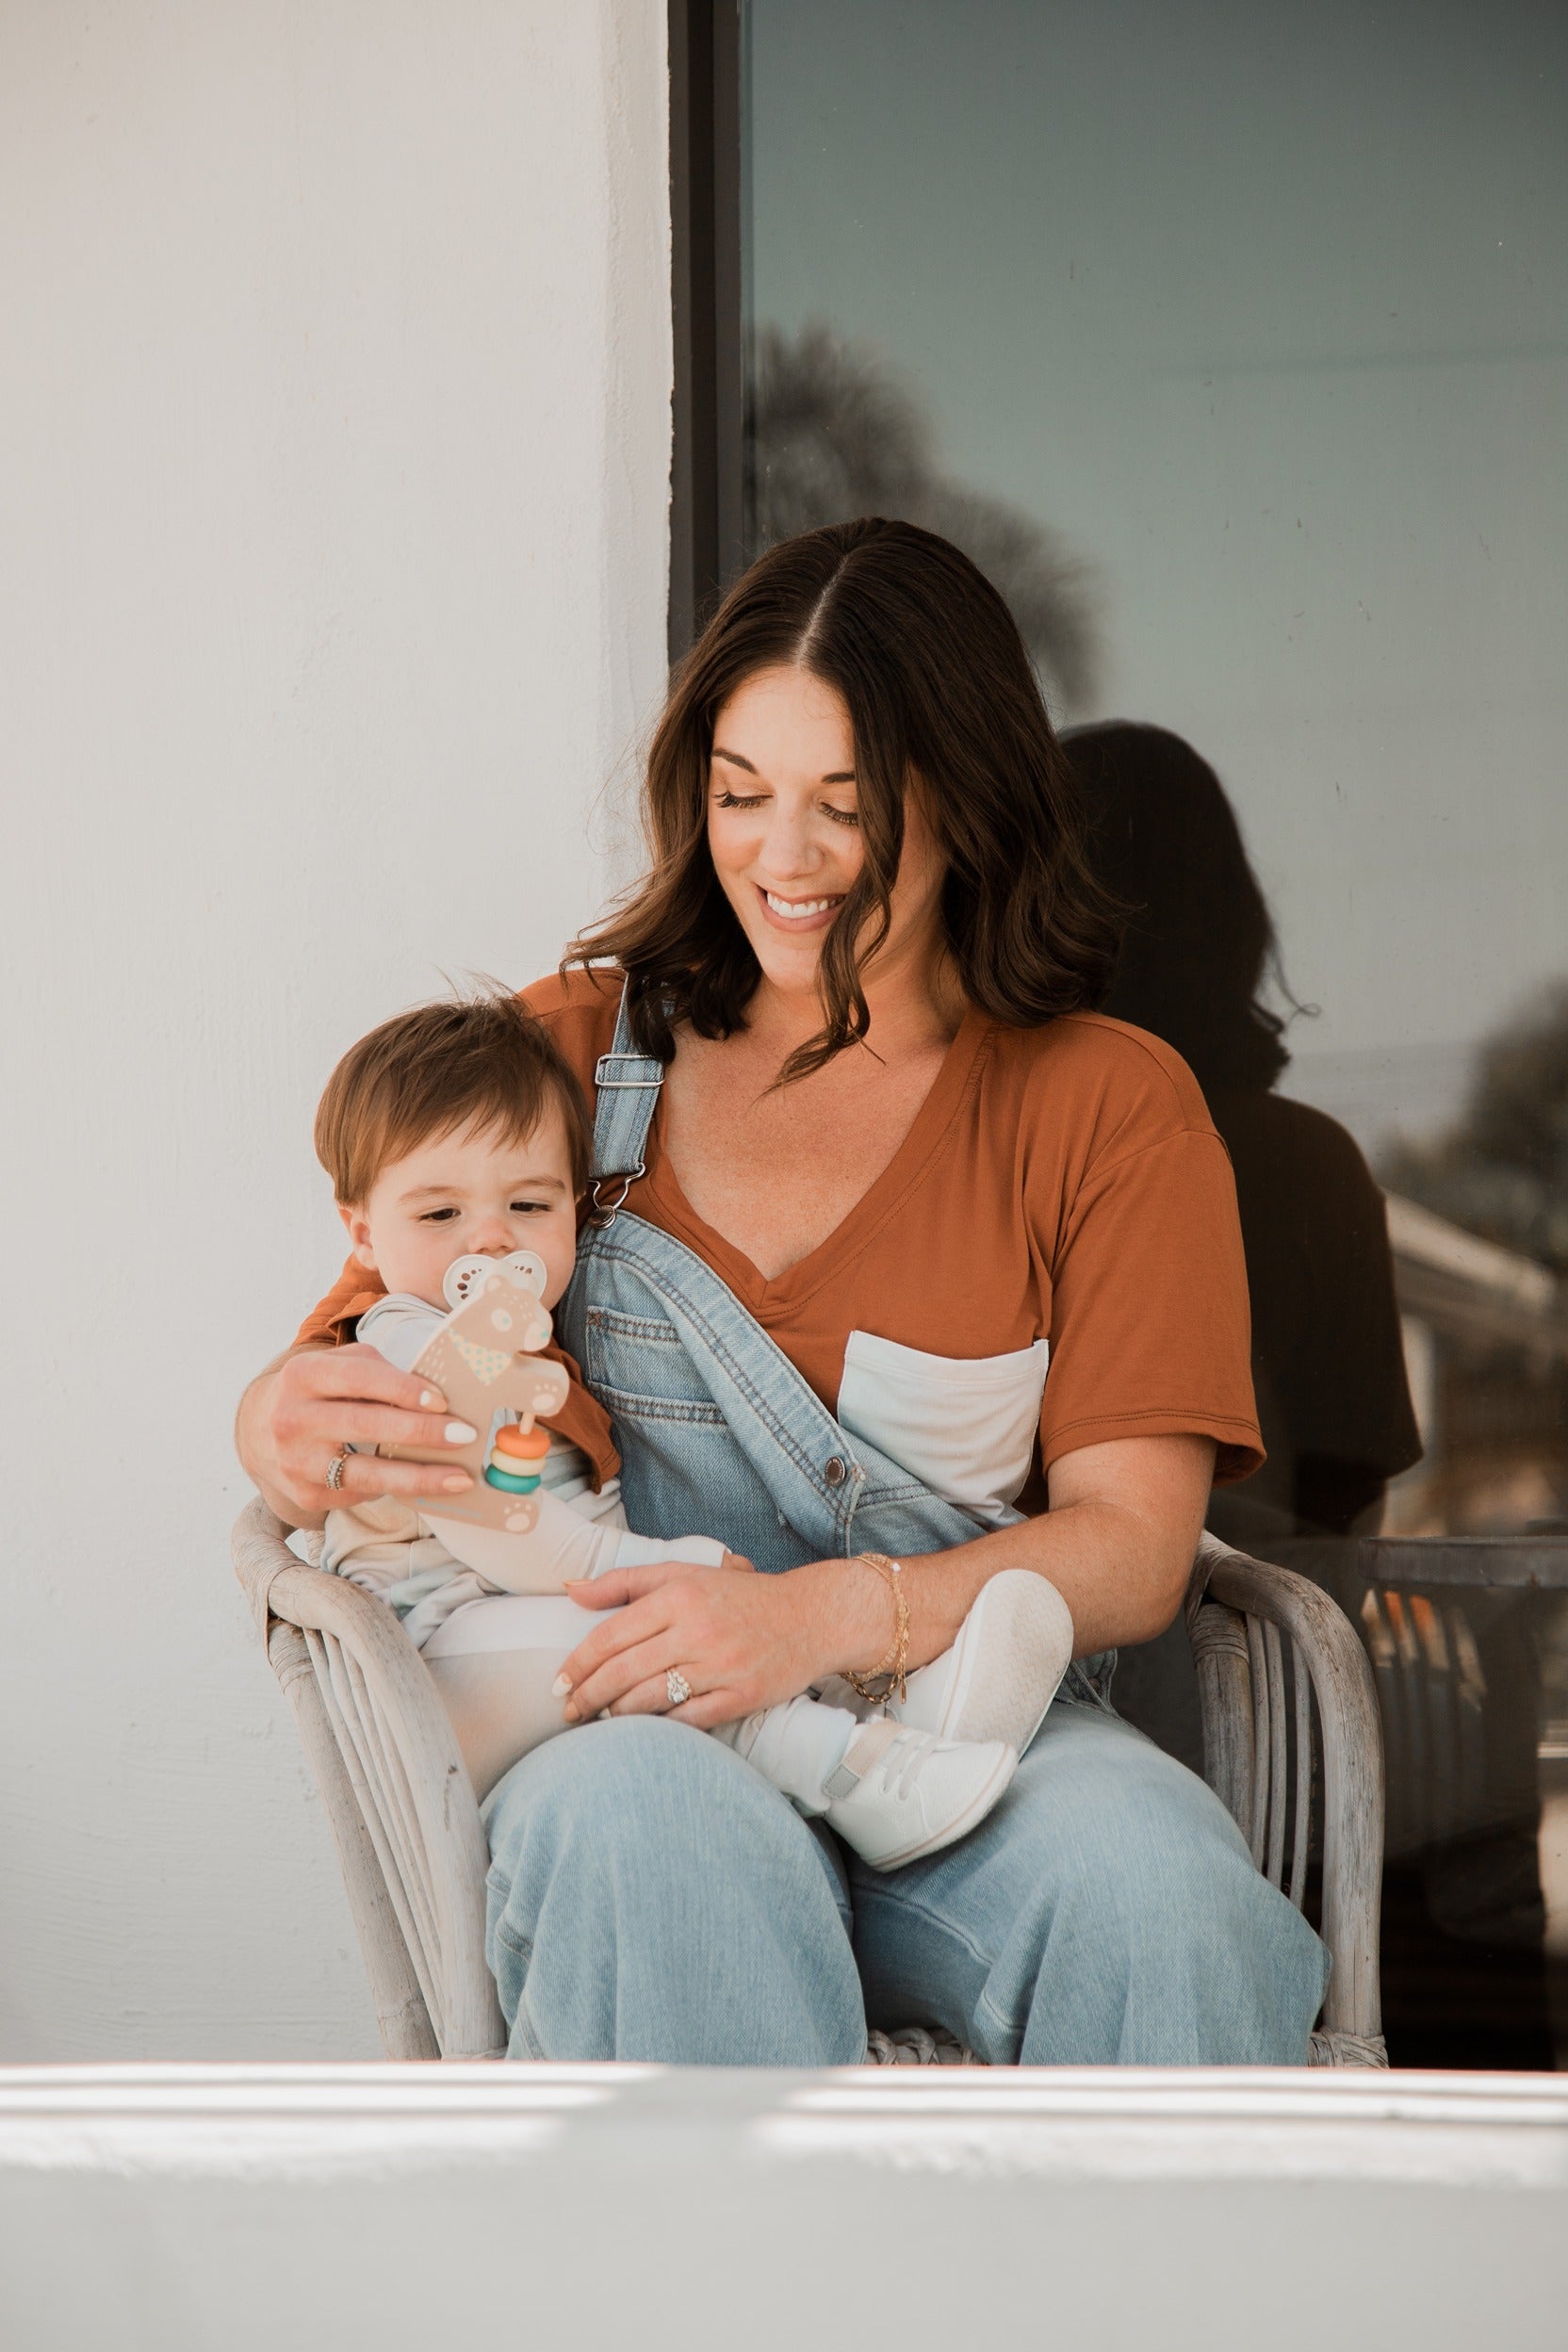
1198,953
833,433
1463,1979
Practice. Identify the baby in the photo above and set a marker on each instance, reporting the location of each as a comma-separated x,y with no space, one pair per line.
458,1131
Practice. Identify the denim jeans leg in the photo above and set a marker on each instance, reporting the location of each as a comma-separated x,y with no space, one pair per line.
650,1897
1107,1913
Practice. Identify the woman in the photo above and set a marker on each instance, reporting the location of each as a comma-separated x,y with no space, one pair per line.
866,1162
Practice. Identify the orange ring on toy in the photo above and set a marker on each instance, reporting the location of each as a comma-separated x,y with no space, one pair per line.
525,1445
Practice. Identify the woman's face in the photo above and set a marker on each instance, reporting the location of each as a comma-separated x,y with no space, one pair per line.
784,834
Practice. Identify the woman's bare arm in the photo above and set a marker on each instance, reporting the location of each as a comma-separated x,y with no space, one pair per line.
297,1415
1117,1543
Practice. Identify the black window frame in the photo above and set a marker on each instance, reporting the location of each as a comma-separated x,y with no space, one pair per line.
707,520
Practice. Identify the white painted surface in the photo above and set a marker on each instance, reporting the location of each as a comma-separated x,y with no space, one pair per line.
601,2206
333,511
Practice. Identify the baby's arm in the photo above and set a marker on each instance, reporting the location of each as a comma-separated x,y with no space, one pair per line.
564,1546
400,1327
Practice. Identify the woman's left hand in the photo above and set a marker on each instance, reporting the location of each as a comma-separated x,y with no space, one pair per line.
740,1641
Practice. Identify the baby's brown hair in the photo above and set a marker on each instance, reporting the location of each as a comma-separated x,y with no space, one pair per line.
468,1065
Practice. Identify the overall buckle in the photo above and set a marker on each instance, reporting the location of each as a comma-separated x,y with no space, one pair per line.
603,1212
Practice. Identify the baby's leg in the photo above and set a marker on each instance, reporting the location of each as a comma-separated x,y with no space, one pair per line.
492,1664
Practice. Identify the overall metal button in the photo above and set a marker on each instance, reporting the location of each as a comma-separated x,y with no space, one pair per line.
837,1471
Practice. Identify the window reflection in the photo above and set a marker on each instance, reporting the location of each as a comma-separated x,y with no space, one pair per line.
1234,345
833,432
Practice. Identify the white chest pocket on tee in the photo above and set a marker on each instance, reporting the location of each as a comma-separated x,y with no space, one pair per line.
966,1426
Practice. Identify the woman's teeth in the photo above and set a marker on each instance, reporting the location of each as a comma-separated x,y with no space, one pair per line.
796,910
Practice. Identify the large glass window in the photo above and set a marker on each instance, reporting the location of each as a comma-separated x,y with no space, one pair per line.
1233,342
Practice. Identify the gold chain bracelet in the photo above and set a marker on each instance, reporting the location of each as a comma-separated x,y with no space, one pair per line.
896,1665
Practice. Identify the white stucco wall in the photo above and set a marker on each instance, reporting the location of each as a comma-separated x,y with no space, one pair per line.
334,379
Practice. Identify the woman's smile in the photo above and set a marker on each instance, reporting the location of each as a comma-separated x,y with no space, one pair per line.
798,914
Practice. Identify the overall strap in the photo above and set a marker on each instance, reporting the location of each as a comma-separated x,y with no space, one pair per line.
628,1088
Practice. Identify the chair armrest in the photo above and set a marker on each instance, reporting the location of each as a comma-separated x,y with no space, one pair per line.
1327,1648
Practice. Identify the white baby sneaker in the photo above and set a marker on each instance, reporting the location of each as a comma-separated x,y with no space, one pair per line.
1003,1671
899,1793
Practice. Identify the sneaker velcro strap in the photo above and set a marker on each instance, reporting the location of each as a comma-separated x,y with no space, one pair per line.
868,1745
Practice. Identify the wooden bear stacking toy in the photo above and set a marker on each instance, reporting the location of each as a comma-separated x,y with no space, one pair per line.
485,1360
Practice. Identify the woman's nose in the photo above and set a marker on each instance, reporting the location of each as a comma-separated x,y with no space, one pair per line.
788,849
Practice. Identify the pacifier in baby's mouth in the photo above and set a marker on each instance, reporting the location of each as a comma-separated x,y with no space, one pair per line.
463,1277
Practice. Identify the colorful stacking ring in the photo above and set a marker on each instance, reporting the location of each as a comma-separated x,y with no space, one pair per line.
516,1459
512,1486
526,1445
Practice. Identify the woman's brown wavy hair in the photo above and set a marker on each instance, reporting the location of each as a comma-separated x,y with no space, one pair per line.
942,699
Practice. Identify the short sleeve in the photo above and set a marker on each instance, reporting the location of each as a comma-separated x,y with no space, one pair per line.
1150,1327
334,1320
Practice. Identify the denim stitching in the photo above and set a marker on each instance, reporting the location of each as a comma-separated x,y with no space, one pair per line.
632,1326
522,2027
693,1409
864,1494
779,1430
861,1496
947,1926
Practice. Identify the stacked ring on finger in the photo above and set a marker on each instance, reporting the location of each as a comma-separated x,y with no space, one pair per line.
677,1689
334,1469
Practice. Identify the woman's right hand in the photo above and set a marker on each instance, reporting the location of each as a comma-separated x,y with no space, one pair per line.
298,1415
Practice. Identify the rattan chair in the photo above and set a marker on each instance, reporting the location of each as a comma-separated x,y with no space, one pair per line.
1272,1651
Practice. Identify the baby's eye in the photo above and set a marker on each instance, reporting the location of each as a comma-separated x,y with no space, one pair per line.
527,1208
437,1217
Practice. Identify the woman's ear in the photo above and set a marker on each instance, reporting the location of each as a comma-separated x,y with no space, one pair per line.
358,1231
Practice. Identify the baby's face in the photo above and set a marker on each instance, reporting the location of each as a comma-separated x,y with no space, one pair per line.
469,1196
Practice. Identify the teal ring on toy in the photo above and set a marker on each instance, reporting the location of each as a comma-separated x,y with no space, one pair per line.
513,1486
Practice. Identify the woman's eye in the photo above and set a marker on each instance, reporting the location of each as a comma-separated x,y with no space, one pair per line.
843,816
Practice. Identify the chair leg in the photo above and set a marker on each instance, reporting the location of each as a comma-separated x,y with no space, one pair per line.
405,2020
1348,2049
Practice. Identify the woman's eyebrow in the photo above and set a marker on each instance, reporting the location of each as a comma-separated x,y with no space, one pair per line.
839,776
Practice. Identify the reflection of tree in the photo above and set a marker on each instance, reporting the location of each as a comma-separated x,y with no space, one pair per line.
1502,1171
832,434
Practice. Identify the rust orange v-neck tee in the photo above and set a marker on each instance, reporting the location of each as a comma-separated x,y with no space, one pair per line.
1063,1184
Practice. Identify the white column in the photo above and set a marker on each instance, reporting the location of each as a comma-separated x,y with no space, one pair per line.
334,485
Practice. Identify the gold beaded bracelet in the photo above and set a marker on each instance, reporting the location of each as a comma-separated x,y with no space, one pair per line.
894,1666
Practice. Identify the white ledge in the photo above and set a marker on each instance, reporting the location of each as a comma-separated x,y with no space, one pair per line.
411,2205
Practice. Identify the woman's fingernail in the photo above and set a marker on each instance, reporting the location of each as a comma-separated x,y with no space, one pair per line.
459,1433
431,1400
560,1687
456,1486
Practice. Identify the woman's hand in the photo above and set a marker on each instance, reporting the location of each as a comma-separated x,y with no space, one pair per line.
742,1641
303,1410
1116,1542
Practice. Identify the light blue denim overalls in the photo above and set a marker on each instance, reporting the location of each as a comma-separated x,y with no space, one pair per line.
652,1898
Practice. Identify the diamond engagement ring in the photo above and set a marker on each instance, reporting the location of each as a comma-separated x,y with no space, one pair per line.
334,1469
677,1687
